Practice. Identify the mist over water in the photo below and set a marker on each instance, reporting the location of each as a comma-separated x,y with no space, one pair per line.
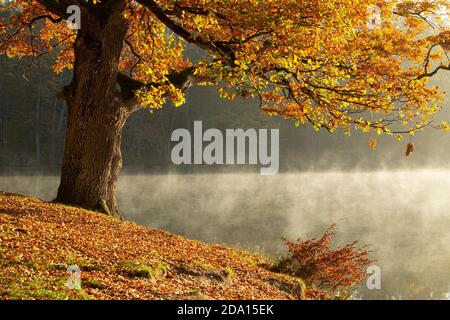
403,216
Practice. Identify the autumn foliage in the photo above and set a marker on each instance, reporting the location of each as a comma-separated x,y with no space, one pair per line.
324,269
332,64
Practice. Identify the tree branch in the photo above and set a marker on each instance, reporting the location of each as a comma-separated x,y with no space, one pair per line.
44,16
213,46
54,7
182,80
432,73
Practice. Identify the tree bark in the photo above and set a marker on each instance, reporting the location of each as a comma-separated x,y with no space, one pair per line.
96,114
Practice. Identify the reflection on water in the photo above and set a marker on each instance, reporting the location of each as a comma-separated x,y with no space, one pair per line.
403,215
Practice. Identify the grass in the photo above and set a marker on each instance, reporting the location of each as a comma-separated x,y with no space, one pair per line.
194,291
39,287
145,270
229,272
95,284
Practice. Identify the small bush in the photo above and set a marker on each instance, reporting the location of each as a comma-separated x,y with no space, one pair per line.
323,268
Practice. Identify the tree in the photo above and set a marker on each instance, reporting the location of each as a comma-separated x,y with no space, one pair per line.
335,64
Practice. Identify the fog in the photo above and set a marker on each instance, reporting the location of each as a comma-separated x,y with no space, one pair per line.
402,215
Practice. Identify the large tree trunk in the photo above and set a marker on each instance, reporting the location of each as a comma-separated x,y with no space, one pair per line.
92,158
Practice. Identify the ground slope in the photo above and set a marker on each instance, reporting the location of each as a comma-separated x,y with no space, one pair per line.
119,259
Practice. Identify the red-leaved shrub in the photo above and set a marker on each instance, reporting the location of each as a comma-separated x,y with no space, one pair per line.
324,268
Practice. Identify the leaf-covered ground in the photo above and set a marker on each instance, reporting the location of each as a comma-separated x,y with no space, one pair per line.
120,259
